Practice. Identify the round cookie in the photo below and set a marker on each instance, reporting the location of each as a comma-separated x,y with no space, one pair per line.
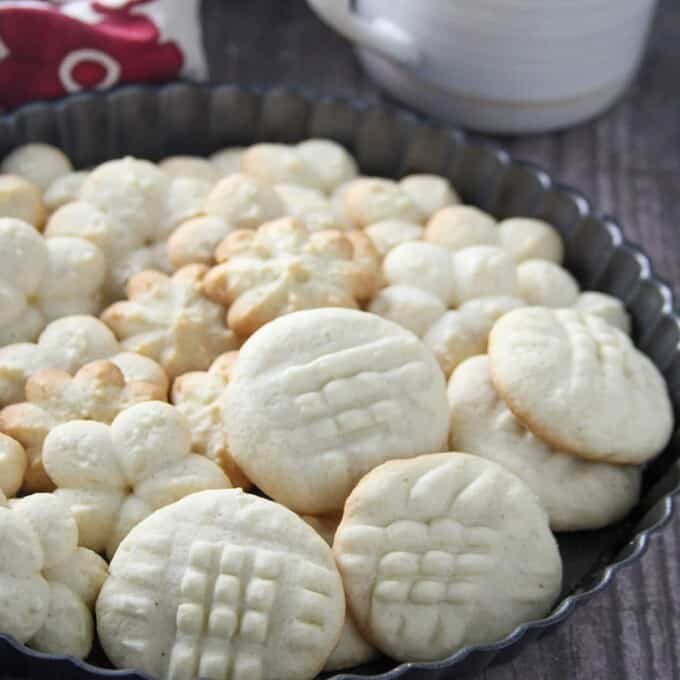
373,199
193,167
64,189
388,234
39,163
222,585
429,192
482,271
461,226
227,161
422,265
546,284
279,164
13,464
443,551
320,397
410,307
576,494
21,200
580,384
525,238
605,306
331,163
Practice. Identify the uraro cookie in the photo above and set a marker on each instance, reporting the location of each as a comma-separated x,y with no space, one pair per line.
13,463
576,494
39,163
222,585
21,200
443,551
580,385
48,583
318,398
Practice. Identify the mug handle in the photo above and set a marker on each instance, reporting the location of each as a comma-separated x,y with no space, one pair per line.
379,35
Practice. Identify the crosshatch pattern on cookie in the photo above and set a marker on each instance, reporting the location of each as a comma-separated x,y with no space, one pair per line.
227,595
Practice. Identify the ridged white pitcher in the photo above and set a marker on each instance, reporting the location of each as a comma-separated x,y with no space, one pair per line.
507,66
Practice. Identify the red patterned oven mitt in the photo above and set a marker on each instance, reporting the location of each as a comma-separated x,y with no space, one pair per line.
50,49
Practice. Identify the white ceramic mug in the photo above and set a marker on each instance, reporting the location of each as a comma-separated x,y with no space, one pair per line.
507,66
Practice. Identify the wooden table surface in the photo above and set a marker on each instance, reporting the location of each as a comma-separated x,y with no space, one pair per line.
628,162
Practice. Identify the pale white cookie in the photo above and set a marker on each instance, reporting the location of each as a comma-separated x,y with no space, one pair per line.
42,280
49,584
199,396
282,268
576,494
279,164
430,192
21,200
413,308
482,271
320,397
185,200
331,163
64,189
525,238
138,368
113,476
352,650
373,199
195,241
464,332
170,320
98,391
244,202
422,265
607,307
40,164
461,226
443,551
65,344
222,585
580,384
13,464
193,167
227,161
388,234
545,284
309,205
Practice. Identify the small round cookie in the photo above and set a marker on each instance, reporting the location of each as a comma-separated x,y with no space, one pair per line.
13,464
279,164
21,200
227,161
545,284
525,238
483,271
580,385
195,241
430,192
464,332
422,265
576,494
310,206
320,397
185,200
244,202
413,308
352,650
222,584
373,199
193,167
388,234
40,164
443,551
461,226
64,189
607,307
137,368
331,163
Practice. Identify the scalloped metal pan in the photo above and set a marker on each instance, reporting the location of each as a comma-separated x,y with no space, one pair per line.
153,121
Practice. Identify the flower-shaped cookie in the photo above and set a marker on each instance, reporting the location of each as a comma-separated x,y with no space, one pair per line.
44,280
282,268
171,320
98,391
48,584
199,397
21,200
112,477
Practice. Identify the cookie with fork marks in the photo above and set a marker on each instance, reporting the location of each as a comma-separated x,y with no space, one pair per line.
222,585
443,551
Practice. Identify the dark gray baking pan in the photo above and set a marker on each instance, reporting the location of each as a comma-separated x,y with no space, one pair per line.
152,122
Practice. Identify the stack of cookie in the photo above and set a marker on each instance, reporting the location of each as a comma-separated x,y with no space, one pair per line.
268,319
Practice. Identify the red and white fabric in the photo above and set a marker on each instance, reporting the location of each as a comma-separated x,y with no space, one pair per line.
51,49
